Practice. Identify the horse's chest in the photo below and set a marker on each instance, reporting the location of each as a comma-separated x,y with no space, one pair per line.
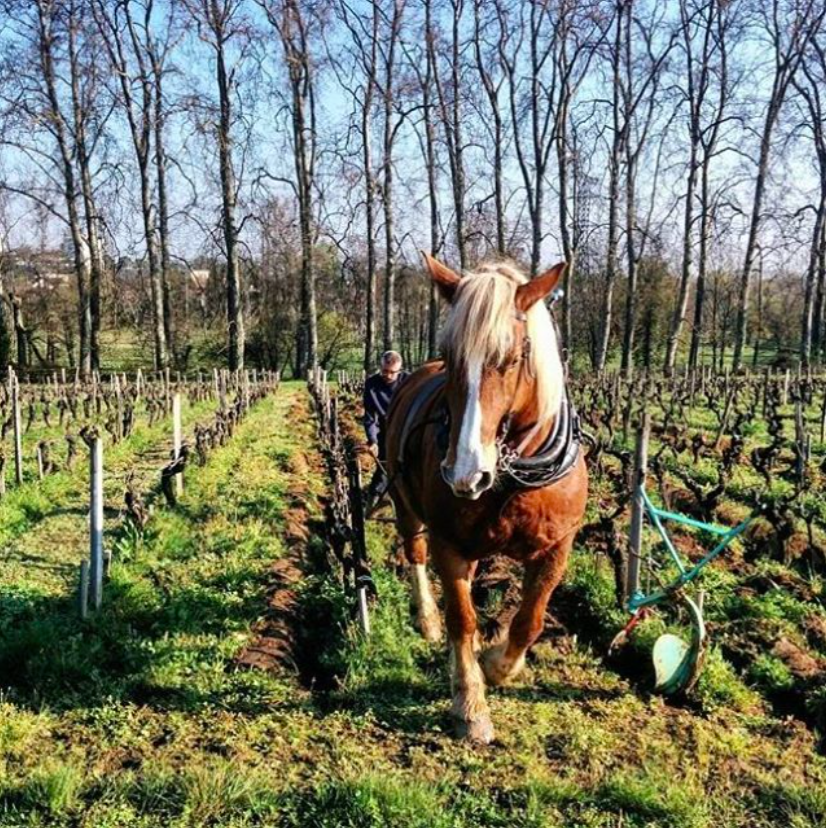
516,524
519,526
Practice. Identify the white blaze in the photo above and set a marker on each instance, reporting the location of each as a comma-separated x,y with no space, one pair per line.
470,453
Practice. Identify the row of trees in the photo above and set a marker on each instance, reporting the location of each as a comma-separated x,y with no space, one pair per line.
673,153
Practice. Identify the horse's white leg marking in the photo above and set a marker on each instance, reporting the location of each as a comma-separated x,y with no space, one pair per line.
427,613
468,686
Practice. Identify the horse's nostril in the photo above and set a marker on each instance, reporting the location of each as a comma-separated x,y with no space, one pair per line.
447,473
485,481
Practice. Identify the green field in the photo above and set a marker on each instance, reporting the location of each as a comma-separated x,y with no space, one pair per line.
141,716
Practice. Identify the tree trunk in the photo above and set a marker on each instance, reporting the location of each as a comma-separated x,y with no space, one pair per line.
568,249
818,339
613,199
87,195
459,176
163,209
700,294
492,94
369,206
809,302
432,190
235,317
66,165
685,274
631,293
387,185
741,323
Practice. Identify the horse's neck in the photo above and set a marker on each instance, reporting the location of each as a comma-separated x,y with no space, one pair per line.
530,434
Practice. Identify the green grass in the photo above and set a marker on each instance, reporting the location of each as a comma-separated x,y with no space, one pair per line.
139,716
43,533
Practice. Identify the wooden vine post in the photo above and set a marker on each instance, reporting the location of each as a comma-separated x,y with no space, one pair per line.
177,440
361,568
632,570
83,590
14,387
119,407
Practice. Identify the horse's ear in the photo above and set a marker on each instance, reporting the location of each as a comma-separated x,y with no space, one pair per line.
446,280
529,294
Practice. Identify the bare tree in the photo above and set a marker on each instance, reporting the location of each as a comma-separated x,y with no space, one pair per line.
158,50
492,84
697,23
582,28
810,87
363,46
85,80
387,82
449,97
719,27
124,39
220,23
533,97
291,22
428,139
790,26
641,103
35,102
619,132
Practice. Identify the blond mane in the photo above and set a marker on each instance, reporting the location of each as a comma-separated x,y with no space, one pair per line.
480,327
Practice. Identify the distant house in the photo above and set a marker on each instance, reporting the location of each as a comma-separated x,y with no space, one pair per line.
199,279
35,271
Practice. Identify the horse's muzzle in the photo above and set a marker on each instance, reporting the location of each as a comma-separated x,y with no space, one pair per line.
470,487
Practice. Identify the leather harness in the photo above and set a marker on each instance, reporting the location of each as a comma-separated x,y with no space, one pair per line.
552,461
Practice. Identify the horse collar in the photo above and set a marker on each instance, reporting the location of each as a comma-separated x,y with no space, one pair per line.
554,458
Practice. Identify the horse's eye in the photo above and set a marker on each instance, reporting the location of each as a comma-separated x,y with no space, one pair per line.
505,367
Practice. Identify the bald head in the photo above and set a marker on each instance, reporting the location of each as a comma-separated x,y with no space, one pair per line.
391,365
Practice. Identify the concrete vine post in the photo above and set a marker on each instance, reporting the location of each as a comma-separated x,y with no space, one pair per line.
177,440
96,519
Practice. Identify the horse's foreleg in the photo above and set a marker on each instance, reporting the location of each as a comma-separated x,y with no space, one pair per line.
542,575
470,709
414,537
427,613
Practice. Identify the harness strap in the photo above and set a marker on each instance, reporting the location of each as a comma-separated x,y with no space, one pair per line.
553,460
425,394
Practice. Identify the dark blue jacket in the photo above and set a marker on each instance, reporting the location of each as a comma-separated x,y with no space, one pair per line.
377,396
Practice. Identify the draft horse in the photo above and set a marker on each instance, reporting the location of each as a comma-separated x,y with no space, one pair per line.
483,451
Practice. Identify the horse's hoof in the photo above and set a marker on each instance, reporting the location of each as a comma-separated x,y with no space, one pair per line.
476,731
430,627
496,670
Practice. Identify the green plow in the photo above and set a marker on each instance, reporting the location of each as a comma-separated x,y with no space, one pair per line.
677,662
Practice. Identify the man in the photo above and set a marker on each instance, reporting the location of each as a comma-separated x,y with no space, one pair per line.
378,392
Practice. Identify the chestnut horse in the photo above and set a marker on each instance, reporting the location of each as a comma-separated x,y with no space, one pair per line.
453,431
